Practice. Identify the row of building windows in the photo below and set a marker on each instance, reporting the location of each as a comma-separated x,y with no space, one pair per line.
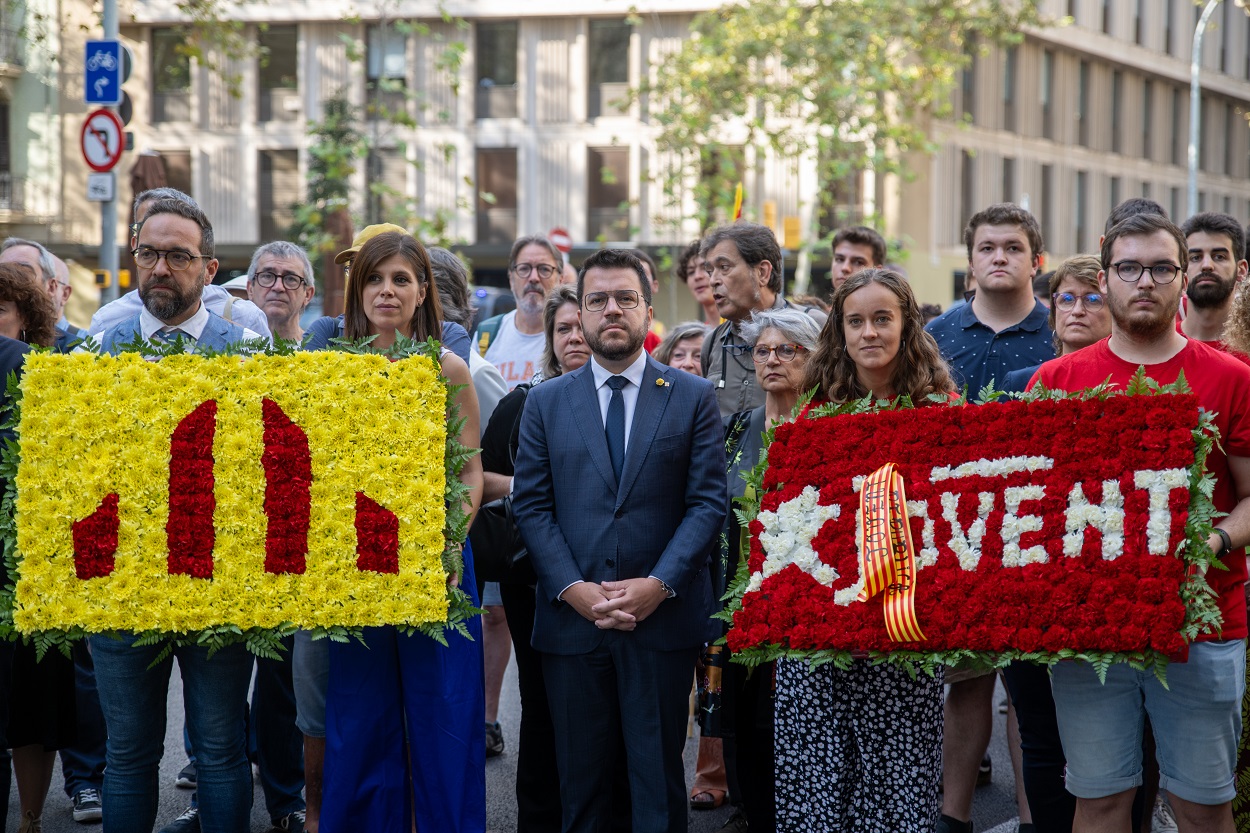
386,70
1082,233
1129,104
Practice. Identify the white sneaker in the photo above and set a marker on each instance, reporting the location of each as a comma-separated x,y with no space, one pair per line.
1162,820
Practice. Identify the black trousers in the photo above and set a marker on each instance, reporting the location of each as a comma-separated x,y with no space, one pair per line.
538,777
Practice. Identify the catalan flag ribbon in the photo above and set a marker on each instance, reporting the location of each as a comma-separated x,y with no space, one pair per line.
738,203
887,559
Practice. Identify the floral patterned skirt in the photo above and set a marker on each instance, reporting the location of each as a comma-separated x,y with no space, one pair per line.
857,750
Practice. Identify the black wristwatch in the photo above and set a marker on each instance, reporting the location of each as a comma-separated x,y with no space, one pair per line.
1226,543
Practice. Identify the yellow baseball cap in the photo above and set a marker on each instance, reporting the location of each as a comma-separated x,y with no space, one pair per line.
364,236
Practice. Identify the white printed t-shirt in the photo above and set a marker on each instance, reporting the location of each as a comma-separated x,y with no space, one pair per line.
516,355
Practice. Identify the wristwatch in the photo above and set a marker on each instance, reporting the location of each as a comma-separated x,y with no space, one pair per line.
1226,543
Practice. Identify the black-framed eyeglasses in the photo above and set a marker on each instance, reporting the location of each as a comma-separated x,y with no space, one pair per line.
290,280
524,270
1131,271
1067,300
785,352
177,260
598,301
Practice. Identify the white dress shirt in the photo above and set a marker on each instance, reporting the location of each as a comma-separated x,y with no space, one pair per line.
244,313
192,328
629,393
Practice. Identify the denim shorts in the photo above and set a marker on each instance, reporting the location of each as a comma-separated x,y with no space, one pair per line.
310,672
1196,722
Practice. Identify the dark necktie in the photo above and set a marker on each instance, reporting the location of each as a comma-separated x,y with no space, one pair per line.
615,425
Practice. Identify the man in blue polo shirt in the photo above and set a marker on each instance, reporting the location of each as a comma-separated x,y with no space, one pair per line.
1003,328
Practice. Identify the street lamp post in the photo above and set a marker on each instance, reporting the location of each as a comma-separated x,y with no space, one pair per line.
1195,103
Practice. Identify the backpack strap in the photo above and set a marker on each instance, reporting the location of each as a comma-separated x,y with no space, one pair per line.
486,331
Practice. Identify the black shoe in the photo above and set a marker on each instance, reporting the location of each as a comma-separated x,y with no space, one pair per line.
736,823
188,822
293,823
186,777
985,772
946,824
494,740
87,806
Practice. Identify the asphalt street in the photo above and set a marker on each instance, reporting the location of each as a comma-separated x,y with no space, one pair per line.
994,810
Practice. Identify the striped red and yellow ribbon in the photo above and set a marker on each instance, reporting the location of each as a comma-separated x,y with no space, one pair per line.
887,559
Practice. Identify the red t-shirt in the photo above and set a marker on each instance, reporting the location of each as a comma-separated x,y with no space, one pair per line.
1222,385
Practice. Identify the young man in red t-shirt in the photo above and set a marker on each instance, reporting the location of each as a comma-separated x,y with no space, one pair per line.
1197,719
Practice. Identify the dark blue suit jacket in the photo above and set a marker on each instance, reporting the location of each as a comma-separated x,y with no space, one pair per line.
662,520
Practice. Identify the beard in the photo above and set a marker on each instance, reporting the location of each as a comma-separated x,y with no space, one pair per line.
1140,325
166,306
616,350
1209,295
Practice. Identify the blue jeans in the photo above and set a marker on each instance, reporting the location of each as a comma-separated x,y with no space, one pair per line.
132,696
1196,722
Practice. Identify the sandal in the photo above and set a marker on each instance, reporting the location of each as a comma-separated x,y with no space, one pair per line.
707,799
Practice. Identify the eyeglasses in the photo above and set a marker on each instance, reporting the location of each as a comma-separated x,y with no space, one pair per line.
598,301
1067,300
524,270
177,260
289,280
785,352
1160,273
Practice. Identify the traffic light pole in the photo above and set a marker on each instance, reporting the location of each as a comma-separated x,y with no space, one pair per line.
108,209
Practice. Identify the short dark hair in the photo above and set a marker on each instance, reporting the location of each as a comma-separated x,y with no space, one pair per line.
1005,214
862,236
1214,222
534,240
186,210
647,261
1144,225
683,261
1041,283
614,259
1131,208
755,243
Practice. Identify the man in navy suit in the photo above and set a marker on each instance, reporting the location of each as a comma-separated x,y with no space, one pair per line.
619,493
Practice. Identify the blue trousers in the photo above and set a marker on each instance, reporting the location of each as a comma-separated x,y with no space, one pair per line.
132,695
405,719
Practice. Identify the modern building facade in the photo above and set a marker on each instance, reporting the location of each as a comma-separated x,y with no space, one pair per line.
535,128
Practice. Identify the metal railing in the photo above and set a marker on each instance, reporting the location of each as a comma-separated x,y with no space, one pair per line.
12,47
12,192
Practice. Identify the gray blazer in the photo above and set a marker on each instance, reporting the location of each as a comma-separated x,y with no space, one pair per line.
662,520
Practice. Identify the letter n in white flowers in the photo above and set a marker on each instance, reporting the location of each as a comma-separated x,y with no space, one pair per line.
1106,517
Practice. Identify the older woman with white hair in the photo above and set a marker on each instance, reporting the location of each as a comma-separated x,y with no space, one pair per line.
782,341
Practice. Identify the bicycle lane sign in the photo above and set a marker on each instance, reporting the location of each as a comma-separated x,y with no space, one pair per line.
102,81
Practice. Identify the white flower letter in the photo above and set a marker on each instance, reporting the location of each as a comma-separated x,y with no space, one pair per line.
787,538
1159,484
1107,517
